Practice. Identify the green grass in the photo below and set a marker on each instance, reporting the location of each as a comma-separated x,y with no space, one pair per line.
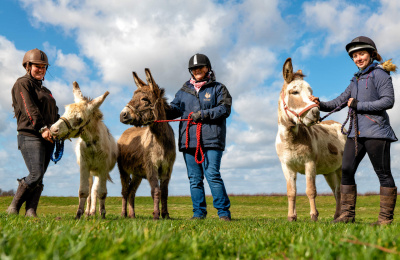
259,230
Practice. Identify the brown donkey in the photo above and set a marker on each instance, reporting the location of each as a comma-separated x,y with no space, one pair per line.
304,146
147,150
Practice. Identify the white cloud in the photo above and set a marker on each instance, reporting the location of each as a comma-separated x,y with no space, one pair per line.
337,19
73,66
245,41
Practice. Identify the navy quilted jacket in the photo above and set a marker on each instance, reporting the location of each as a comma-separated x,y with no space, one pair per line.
373,89
215,103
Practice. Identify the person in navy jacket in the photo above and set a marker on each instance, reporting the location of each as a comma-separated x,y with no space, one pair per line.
370,94
208,102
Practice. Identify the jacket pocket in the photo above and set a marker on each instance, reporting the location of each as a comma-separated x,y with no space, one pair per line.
374,119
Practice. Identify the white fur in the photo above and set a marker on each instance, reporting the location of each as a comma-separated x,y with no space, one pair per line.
305,147
96,150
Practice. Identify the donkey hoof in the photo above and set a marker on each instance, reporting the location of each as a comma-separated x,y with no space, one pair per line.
165,216
314,217
124,215
79,214
132,215
103,213
292,218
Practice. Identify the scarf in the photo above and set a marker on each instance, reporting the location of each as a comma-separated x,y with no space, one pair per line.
198,84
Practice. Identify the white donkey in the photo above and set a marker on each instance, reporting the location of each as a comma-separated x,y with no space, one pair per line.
304,146
96,150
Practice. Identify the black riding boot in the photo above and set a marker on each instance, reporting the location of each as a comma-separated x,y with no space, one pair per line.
19,197
33,201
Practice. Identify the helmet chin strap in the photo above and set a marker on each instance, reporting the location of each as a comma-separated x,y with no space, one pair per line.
208,74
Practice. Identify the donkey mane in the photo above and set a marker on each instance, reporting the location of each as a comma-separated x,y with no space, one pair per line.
299,75
97,114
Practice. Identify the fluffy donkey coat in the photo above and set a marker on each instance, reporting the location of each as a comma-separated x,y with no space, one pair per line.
96,149
147,150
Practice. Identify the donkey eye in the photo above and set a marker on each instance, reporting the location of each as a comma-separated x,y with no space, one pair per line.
78,121
146,101
294,92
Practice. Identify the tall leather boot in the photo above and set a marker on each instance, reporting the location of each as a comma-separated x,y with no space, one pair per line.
19,197
32,201
388,198
348,197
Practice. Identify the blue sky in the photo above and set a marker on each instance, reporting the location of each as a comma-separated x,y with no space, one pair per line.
99,44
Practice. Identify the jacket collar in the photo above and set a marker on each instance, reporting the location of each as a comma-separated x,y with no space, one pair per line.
30,78
366,70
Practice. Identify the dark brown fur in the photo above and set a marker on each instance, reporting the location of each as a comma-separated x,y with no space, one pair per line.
146,151
333,149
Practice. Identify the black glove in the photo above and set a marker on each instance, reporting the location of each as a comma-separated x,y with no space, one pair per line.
353,104
196,116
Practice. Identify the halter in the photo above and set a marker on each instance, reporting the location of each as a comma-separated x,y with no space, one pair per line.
138,111
293,112
70,128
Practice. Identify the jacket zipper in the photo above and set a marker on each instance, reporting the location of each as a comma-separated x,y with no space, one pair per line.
372,120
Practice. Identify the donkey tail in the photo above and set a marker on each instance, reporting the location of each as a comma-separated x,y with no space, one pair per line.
109,178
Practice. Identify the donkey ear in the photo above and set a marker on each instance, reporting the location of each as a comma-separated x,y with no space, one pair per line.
150,79
77,92
138,81
288,70
95,103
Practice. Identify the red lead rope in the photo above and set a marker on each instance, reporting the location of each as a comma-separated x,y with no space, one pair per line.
198,136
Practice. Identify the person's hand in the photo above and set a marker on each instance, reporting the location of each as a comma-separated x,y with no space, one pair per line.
314,99
352,103
46,134
196,116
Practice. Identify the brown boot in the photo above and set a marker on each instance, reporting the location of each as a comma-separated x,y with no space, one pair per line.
19,197
388,202
348,197
32,201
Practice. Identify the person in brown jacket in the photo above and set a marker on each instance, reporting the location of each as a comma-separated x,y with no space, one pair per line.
35,110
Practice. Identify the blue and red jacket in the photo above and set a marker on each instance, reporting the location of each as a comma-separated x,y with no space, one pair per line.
214,102
373,89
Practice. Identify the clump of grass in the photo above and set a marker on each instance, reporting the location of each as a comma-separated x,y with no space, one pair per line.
259,230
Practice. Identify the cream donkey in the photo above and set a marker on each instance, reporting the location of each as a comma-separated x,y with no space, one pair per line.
96,150
304,146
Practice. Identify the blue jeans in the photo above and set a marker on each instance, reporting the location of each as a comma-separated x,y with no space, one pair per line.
210,168
36,153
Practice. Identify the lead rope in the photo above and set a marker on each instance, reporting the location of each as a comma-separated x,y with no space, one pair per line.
59,150
352,115
199,149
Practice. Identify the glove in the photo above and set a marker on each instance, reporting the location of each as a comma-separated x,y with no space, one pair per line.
196,116
353,104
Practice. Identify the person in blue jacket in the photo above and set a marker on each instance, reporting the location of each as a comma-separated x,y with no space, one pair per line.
207,102
370,94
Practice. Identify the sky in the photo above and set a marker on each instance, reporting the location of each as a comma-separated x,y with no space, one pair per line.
99,43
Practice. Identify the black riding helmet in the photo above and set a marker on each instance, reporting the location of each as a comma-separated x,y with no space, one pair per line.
360,43
199,60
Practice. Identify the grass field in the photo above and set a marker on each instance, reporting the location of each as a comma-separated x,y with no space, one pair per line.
259,230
